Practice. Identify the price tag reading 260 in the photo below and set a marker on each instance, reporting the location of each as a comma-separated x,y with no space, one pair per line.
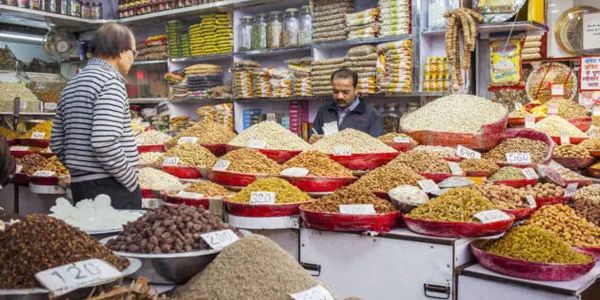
467,153
220,239
91,272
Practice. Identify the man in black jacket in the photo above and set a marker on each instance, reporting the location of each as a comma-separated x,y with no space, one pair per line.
347,110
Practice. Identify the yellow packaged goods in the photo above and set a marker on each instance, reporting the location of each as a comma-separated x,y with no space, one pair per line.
284,191
7,133
359,142
331,203
538,150
564,222
505,62
44,127
207,132
192,155
456,205
554,125
386,178
318,164
531,243
269,135
251,161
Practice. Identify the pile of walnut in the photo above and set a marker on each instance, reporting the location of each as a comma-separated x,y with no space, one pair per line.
461,20
137,290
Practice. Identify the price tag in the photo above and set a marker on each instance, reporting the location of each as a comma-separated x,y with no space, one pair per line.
518,106
593,132
455,168
342,150
256,143
221,165
428,186
91,272
518,157
564,138
531,201
530,122
44,173
489,216
401,140
571,189
596,110
37,135
190,195
530,173
18,169
171,161
150,203
315,293
552,109
357,209
263,197
220,239
50,106
19,148
295,172
467,153
557,90
330,128
187,140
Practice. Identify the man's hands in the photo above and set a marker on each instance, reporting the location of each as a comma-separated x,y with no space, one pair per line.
314,138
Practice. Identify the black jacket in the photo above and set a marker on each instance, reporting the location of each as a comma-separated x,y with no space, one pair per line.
364,118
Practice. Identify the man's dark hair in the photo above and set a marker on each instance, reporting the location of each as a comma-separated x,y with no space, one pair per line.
111,40
345,73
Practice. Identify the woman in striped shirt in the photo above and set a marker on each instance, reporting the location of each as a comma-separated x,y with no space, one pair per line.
91,134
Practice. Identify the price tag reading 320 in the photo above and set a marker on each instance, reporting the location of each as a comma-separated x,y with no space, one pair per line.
467,153
518,157
315,293
263,197
489,216
91,272
220,239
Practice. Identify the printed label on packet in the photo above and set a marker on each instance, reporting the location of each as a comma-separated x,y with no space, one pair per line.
467,153
357,209
66,278
489,216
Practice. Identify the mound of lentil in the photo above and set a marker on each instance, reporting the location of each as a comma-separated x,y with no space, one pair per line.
251,161
318,164
207,131
387,177
331,203
504,197
358,140
192,155
564,222
152,137
456,205
507,173
285,192
149,158
537,150
421,162
478,165
531,243
274,135
158,180
40,242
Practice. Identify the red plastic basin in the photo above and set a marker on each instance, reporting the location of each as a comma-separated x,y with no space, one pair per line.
573,140
521,213
364,161
183,172
151,148
204,202
575,163
516,183
436,177
457,229
342,222
233,179
402,147
279,156
594,251
313,184
21,179
548,201
479,173
42,143
262,210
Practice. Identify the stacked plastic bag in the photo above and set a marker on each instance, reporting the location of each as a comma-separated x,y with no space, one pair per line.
321,74
201,77
213,35
363,24
532,46
263,88
363,60
395,17
243,82
300,68
220,113
395,67
329,19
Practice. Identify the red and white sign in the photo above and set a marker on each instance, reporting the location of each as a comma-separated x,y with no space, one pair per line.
590,74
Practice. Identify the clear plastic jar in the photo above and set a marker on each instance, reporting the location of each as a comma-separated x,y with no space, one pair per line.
391,118
274,30
97,11
245,33
291,27
35,4
305,31
259,32
64,7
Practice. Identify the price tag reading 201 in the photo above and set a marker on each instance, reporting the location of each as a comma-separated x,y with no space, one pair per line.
467,153
263,197
220,239
518,157
91,272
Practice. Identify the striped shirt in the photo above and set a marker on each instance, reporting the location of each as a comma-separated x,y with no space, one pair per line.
91,134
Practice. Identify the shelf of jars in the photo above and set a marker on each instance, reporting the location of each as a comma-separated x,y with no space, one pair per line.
75,23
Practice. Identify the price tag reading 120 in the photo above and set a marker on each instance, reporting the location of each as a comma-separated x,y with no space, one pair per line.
467,153
263,197
91,272
220,239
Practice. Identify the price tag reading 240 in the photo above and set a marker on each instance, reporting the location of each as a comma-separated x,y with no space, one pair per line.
467,153
91,272
263,197
220,239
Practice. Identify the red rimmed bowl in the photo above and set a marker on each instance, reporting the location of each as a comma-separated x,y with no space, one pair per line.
532,135
183,172
488,137
42,143
148,193
575,163
342,222
594,251
263,210
595,153
520,213
382,195
457,229
583,124
529,270
520,122
21,153
313,184
453,159
549,201
174,199
21,179
572,140
11,142
436,177
402,147
479,173
233,180
516,183
217,149
580,182
279,156
364,161
48,185
44,180
151,148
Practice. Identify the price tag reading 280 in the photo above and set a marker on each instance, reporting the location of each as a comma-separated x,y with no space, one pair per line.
467,153
220,239
91,272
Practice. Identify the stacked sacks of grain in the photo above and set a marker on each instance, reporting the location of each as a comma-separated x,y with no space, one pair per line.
395,67
363,60
329,17
363,24
321,72
243,83
395,17
300,67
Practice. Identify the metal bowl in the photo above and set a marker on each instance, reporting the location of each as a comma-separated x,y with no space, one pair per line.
41,293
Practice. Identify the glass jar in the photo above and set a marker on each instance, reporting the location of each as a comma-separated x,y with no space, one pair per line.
98,11
86,11
291,27
22,3
75,8
35,4
245,33
259,32
391,118
64,7
305,32
51,6
274,30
